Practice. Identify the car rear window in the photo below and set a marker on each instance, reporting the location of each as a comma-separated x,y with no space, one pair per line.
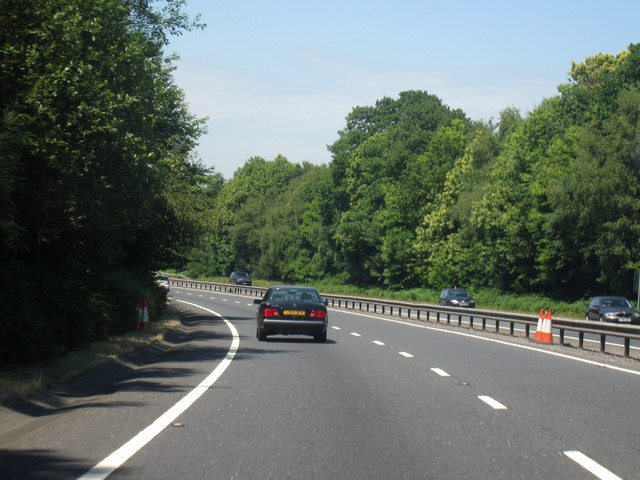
295,295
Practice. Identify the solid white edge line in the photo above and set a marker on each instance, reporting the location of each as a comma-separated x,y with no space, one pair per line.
109,464
440,372
492,403
590,465
500,342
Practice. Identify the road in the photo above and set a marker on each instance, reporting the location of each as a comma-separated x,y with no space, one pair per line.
383,398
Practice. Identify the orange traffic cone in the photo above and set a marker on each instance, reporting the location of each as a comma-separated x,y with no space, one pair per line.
139,308
145,314
544,333
539,327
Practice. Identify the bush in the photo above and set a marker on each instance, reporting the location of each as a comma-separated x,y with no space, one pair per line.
50,313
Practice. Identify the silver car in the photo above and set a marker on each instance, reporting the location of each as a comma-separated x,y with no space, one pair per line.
162,281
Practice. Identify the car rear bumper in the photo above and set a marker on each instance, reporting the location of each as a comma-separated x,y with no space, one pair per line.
293,327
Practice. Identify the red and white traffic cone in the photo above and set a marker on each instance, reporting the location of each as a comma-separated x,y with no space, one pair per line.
539,327
139,309
544,333
145,314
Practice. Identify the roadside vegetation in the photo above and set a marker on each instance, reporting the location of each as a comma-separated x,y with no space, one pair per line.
418,197
99,187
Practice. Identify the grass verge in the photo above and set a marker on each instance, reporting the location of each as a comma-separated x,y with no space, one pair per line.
28,380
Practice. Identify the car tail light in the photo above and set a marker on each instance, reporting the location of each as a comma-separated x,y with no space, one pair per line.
317,314
270,312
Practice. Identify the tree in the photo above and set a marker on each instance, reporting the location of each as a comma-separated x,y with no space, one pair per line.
102,135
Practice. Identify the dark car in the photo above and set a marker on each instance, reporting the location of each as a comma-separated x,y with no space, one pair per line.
456,297
292,311
240,278
611,309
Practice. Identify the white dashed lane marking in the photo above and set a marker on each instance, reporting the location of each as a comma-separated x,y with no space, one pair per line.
496,405
440,372
590,465
406,355
355,334
379,343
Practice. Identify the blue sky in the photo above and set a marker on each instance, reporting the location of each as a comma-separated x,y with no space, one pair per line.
279,77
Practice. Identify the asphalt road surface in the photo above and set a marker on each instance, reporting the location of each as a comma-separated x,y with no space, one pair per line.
382,399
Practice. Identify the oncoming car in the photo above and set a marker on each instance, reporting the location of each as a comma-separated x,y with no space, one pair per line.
456,297
611,309
240,278
291,310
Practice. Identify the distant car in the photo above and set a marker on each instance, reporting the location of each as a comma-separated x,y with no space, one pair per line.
240,278
292,311
162,281
611,309
456,297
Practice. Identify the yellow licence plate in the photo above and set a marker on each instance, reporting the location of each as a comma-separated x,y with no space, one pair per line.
293,312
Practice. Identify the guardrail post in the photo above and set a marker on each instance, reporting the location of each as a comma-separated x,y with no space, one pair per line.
497,326
511,328
603,339
627,346
581,340
562,336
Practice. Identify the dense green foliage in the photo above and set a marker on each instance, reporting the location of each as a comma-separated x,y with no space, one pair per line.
96,184
419,196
